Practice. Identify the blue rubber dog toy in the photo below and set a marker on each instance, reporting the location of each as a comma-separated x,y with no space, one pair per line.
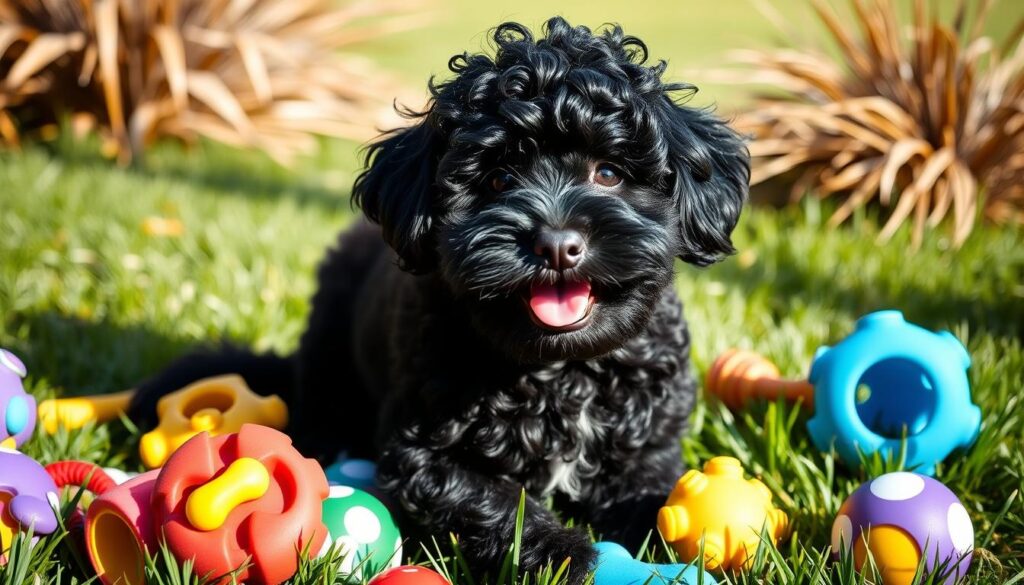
615,566
357,473
889,377
360,474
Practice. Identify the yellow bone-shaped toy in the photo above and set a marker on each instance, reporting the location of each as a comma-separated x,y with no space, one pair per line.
246,479
217,405
726,510
73,413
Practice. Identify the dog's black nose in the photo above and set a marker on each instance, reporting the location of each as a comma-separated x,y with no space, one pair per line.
560,249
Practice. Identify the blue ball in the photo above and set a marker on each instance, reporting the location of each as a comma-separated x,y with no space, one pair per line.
357,473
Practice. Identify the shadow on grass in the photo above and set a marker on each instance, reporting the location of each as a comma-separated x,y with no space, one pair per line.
79,357
230,171
251,183
994,313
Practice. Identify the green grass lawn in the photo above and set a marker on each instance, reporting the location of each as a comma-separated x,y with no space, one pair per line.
93,304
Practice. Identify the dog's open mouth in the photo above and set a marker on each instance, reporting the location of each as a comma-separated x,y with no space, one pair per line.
562,305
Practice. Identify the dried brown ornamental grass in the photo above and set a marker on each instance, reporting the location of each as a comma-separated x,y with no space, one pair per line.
268,74
926,120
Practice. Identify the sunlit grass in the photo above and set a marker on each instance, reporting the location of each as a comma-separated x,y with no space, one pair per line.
93,304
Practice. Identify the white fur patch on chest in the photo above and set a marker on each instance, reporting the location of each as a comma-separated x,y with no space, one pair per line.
565,475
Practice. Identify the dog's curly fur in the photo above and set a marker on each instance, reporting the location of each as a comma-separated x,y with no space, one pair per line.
421,352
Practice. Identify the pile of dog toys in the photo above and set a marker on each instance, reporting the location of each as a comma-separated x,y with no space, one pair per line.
225,486
890,387
233,496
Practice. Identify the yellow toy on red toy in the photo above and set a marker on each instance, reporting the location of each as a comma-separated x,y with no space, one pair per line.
726,510
247,499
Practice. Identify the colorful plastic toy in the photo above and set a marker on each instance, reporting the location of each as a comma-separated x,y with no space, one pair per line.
887,378
363,529
119,530
73,413
739,376
896,516
218,501
80,474
726,510
216,405
74,476
17,407
615,566
28,497
409,575
358,473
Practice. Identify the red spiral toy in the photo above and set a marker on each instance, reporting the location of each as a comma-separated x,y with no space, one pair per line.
74,474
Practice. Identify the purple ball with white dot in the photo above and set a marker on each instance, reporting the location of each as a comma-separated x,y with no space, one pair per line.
29,493
917,509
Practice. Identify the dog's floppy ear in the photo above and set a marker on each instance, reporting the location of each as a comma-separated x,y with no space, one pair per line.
396,190
711,174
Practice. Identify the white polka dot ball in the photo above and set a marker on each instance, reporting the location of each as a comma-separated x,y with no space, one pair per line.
362,530
902,518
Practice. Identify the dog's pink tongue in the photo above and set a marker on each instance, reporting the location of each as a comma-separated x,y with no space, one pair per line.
560,304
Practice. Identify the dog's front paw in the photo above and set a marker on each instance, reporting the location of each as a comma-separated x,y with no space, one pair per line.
556,544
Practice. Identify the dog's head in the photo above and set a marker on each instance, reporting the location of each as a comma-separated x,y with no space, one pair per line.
553,184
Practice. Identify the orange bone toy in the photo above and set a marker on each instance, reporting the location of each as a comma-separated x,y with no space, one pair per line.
739,375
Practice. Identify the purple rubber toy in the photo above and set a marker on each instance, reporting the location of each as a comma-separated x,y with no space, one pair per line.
906,513
28,493
17,407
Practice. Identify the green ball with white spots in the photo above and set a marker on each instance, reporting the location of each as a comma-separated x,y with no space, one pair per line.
361,530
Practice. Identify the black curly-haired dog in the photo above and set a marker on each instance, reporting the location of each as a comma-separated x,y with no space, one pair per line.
516,326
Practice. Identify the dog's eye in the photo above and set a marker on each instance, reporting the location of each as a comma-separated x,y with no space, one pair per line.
502,181
606,175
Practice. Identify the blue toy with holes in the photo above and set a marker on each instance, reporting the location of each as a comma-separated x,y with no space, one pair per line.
891,378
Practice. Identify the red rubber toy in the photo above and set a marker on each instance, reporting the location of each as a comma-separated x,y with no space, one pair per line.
218,501
409,575
284,519
119,531
75,473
